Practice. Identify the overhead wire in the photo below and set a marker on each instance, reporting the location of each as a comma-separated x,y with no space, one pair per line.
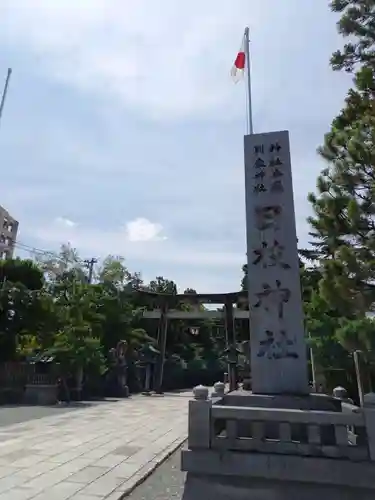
34,251
40,252
47,253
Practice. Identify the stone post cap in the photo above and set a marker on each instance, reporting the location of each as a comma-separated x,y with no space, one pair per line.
219,387
200,392
219,390
340,392
369,399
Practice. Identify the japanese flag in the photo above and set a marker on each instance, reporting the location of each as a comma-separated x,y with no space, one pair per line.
238,68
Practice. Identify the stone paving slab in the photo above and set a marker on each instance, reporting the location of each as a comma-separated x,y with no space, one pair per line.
100,452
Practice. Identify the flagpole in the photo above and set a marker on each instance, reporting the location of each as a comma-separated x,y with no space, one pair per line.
4,96
247,59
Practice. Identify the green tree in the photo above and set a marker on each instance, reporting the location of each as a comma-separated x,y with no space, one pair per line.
118,316
162,285
76,347
357,22
48,306
43,318
359,335
113,271
244,285
343,224
25,272
76,343
63,264
14,302
26,308
310,279
322,323
134,282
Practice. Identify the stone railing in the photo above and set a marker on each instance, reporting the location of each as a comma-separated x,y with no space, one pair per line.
295,432
41,379
338,435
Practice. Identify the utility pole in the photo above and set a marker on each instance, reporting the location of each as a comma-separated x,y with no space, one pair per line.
5,91
89,263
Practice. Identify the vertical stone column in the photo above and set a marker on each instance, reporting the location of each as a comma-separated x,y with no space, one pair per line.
200,419
162,342
278,348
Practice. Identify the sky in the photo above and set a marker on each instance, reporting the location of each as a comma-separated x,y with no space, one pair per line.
122,131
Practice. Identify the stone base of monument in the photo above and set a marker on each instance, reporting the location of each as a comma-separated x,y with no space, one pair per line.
200,486
313,401
277,447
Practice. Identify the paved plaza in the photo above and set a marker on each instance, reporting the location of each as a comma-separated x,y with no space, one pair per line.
14,414
100,451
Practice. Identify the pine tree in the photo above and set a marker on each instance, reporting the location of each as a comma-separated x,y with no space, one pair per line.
357,21
343,225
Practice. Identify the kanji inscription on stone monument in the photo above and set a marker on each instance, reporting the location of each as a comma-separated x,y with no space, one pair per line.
269,298
267,217
270,255
278,349
276,346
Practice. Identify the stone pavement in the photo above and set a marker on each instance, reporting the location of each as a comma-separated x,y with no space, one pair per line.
99,452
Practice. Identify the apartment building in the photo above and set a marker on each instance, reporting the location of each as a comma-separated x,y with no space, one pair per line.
8,234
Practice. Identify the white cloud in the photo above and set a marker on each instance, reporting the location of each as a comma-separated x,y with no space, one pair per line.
166,58
206,267
161,59
64,222
142,229
131,244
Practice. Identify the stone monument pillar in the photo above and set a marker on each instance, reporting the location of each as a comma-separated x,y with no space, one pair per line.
278,442
278,348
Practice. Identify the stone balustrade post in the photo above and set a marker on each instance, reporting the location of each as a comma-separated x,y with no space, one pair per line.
369,414
340,393
219,390
200,419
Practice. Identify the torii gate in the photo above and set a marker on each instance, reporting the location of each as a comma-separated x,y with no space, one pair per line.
164,312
